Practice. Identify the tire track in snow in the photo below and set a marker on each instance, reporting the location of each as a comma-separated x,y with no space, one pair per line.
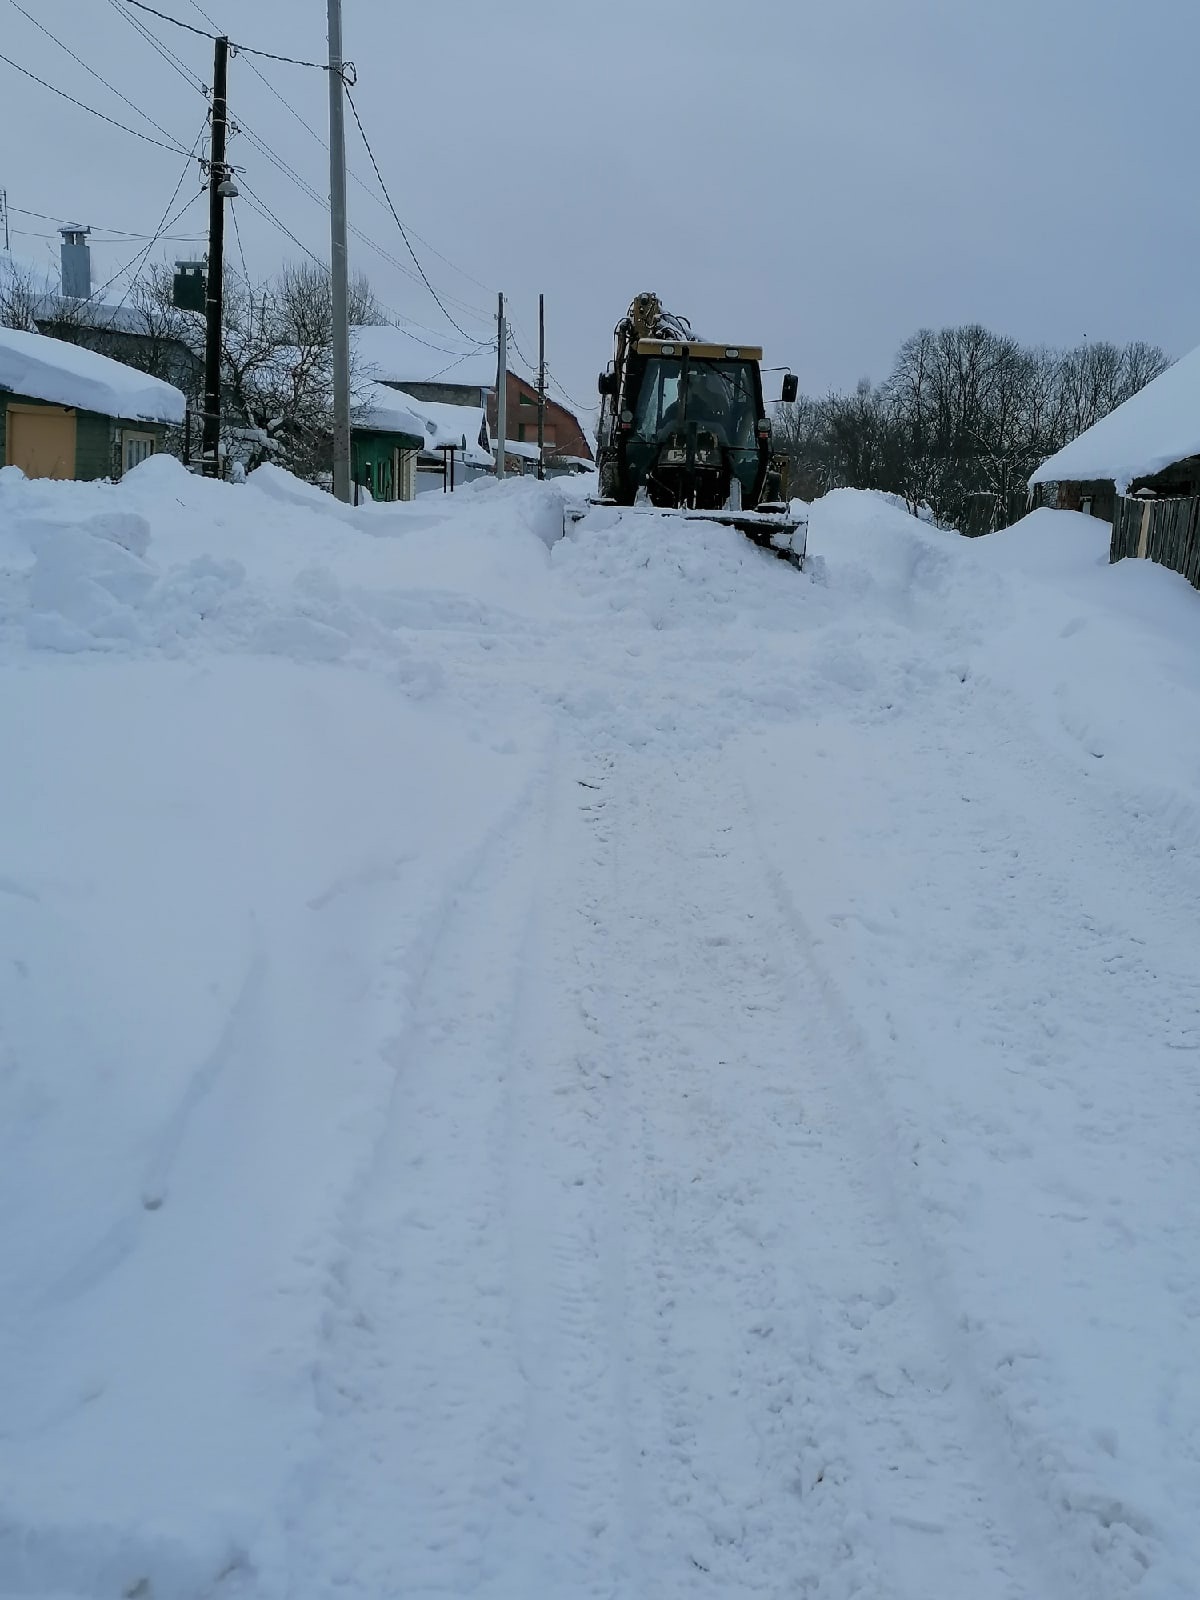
417,1473
796,1415
1014,1512
563,1137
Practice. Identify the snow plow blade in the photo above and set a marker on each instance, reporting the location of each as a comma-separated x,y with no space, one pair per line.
773,527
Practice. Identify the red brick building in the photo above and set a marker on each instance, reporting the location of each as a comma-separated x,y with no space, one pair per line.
564,435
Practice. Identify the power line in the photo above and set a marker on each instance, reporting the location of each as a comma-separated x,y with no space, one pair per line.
99,77
264,211
261,209
277,161
365,187
164,51
175,149
124,239
44,216
238,235
372,244
134,266
163,17
236,49
399,224
573,403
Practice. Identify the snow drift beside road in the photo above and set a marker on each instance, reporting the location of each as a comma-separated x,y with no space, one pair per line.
535,1065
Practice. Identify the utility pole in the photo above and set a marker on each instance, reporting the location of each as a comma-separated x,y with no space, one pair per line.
338,263
501,388
541,385
4,214
214,293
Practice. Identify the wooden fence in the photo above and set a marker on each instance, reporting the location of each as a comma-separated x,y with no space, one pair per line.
1166,531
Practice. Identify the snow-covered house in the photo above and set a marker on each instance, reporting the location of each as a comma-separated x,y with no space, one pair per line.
447,370
450,371
145,336
386,437
457,446
1150,442
67,412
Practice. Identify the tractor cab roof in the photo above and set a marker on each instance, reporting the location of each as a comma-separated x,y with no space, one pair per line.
699,352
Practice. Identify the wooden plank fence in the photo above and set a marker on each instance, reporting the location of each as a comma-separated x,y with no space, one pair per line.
1165,531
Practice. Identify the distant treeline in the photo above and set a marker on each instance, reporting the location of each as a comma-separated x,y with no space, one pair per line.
964,414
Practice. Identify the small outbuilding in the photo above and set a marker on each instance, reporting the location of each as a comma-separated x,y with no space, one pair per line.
386,438
67,412
1150,443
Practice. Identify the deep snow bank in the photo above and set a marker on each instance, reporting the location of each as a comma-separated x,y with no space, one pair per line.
266,755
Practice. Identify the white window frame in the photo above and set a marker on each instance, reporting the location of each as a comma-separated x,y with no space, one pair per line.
137,438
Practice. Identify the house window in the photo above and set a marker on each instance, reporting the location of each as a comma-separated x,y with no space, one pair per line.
528,400
520,433
135,447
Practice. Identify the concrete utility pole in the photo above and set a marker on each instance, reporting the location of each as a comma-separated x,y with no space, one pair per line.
541,385
214,293
338,260
501,388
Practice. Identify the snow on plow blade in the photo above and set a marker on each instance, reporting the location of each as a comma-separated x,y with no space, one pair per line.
776,527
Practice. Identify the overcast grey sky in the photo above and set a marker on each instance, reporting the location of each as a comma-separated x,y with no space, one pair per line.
822,179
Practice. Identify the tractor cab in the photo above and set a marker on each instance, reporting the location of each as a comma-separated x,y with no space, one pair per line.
688,425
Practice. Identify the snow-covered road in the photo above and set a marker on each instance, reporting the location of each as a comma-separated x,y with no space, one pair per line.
589,1067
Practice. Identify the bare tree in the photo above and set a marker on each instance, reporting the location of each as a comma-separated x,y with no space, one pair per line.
961,421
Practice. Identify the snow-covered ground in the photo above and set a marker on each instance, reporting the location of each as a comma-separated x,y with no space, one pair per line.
592,1066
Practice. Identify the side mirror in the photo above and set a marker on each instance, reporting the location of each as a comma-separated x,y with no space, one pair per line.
608,383
791,386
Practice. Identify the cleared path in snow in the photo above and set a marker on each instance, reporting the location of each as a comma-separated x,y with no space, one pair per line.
628,1308
610,1070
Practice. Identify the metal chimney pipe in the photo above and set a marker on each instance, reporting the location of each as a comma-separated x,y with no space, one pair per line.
76,259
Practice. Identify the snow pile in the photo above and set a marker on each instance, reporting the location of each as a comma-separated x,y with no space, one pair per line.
1151,430
295,574
68,375
591,1064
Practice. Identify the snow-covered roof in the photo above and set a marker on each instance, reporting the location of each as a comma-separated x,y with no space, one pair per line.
454,427
522,447
105,318
389,411
401,355
1151,430
67,375
47,305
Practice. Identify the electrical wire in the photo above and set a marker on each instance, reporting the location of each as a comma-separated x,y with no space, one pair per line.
284,167
395,217
260,206
530,366
120,234
99,77
95,242
175,149
237,49
164,51
135,266
365,187
238,235
404,324
372,244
